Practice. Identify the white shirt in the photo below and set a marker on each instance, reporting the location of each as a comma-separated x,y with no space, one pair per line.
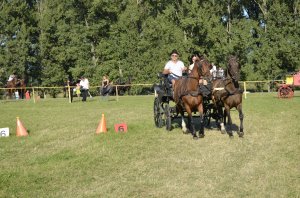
175,68
84,83
213,71
11,77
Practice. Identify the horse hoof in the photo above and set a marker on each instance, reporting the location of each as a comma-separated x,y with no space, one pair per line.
195,137
230,135
186,132
223,131
241,134
201,136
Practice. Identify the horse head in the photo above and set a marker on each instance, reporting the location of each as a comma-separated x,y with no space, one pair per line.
201,68
233,68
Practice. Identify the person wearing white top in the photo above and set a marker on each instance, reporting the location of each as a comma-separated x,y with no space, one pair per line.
174,67
11,77
213,71
84,84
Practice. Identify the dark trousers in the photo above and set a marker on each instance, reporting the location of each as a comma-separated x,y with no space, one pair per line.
84,94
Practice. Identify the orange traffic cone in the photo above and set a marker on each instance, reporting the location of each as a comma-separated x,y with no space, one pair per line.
21,130
101,126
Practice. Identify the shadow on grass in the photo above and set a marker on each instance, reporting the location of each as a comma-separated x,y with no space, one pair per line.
213,126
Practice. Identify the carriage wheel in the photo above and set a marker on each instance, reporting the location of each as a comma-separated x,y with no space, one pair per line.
285,92
168,117
158,120
282,92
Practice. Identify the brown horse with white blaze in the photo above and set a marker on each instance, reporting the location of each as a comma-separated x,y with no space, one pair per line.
226,93
187,96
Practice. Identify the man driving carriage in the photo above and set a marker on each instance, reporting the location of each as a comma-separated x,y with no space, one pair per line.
174,67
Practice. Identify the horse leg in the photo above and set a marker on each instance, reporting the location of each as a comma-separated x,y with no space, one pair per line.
185,130
200,110
227,109
222,117
191,124
241,116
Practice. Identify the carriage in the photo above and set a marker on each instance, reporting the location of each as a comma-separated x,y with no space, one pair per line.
209,99
286,90
165,112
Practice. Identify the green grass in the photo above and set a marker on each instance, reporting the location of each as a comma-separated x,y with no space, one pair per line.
63,157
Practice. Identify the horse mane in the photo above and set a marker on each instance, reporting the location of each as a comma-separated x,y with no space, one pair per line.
204,61
181,85
233,62
233,65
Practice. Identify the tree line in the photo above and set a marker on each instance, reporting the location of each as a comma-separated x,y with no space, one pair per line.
49,41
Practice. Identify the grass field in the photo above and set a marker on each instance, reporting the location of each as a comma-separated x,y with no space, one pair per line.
63,157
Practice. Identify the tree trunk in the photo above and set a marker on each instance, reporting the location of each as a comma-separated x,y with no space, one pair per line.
93,51
229,20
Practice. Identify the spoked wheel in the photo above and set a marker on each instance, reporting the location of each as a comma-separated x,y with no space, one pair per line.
168,117
158,119
285,92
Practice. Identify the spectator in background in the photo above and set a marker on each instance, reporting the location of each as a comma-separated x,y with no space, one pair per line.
213,71
220,73
105,86
84,85
77,89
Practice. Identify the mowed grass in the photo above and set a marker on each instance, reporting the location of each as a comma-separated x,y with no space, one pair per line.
63,157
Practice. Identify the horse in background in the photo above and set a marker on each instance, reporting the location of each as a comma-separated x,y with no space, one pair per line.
188,98
125,86
226,93
21,88
16,85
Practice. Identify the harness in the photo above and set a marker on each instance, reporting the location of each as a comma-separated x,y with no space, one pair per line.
226,92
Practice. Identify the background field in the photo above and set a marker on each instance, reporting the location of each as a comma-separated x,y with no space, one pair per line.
63,157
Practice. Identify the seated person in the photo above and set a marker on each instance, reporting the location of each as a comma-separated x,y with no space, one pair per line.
174,67
105,86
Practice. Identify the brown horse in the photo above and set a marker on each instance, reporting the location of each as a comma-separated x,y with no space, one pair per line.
11,87
187,96
16,85
226,93
21,87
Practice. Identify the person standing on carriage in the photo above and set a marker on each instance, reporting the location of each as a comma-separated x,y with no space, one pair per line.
84,85
174,67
